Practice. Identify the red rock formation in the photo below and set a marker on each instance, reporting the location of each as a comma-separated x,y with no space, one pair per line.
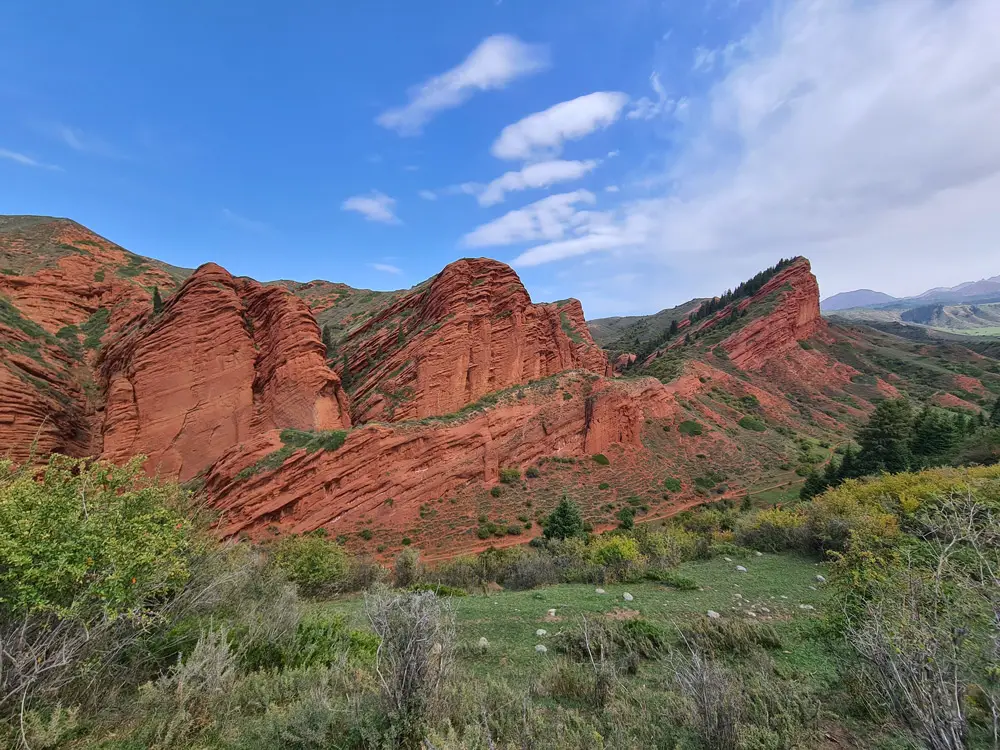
623,360
224,360
794,318
469,331
42,409
414,463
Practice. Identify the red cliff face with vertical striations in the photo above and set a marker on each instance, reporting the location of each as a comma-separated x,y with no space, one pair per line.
224,360
794,317
395,468
469,331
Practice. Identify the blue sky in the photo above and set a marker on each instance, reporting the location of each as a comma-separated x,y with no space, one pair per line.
632,153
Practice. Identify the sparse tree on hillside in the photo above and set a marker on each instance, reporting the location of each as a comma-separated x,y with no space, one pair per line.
673,328
995,414
934,437
885,440
564,522
814,485
157,301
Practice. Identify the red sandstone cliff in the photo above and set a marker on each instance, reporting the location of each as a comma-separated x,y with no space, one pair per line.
794,317
469,331
400,466
225,360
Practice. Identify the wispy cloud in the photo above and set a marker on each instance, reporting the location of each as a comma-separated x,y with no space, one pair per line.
26,161
428,195
611,189
547,219
542,134
493,64
244,223
859,134
646,108
540,175
386,268
85,143
376,206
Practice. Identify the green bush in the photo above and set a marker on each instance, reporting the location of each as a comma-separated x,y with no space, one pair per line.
689,427
672,579
604,486
532,472
311,561
753,423
672,483
90,539
510,475
440,589
773,530
564,522
601,459
495,491
729,636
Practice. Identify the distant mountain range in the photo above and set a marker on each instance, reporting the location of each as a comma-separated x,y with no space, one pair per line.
984,290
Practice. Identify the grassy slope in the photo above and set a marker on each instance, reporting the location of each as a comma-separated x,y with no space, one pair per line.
509,619
619,333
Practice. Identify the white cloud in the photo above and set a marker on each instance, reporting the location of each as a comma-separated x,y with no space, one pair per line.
250,225
542,174
704,59
645,108
374,207
611,189
613,154
85,143
542,134
862,135
26,161
547,219
497,61
428,195
386,268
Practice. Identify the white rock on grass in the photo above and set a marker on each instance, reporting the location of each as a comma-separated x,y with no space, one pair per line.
820,579
540,649
727,559
483,644
806,606
713,614
758,553
740,569
540,632
600,591
627,596
552,613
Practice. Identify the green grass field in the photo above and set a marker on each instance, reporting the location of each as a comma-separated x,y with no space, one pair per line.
773,587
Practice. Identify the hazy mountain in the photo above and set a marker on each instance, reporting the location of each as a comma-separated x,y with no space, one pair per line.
857,298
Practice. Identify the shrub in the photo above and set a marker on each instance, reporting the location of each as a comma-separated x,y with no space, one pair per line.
495,491
440,589
604,486
89,540
729,636
753,424
601,459
689,427
366,534
510,475
514,529
773,530
672,579
626,518
617,554
407,569
314,563
417,633
672,483
532,472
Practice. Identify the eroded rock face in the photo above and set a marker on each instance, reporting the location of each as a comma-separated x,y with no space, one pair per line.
470,331
225,360
403,465
795,317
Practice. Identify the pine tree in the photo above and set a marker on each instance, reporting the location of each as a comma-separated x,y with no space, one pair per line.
328,343
934,437
848,468
831,474
815,485
157,301
995,414
885,440
673,328
564,522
